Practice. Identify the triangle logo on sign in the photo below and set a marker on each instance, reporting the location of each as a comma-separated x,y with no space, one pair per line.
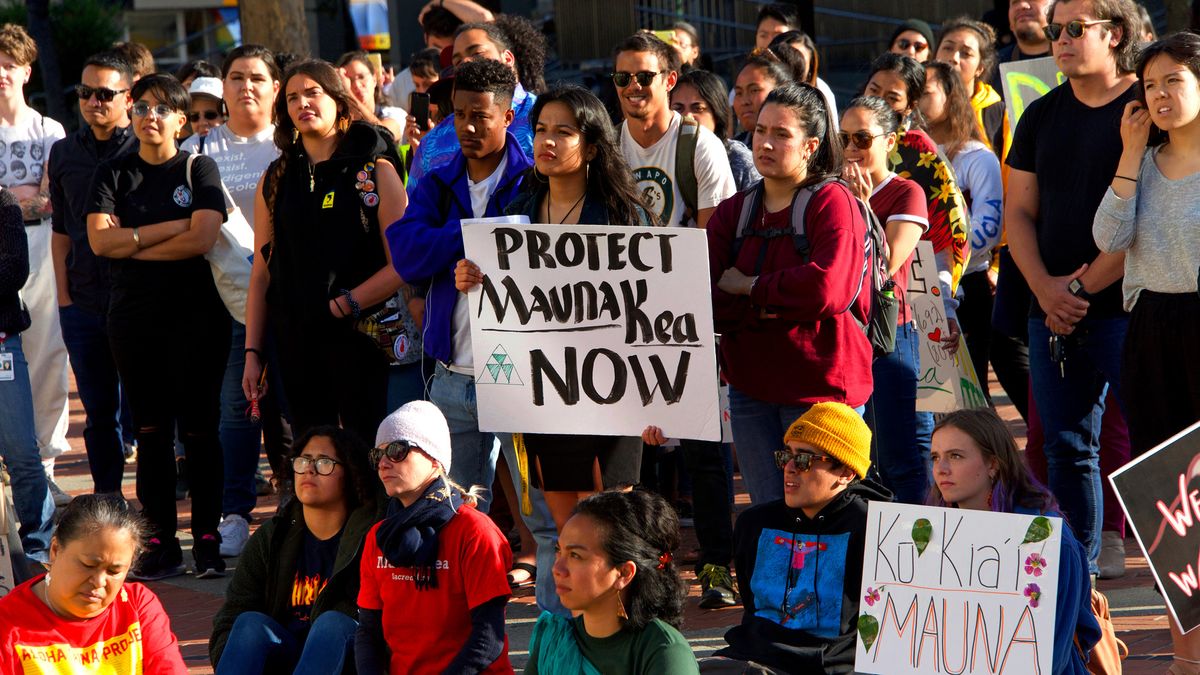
499,369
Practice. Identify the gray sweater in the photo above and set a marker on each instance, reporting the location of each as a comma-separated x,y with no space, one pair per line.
1158,229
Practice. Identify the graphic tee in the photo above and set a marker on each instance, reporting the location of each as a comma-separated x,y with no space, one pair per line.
25,148
810,599
314,567
132,636
654,172
425,629
897,198
241,161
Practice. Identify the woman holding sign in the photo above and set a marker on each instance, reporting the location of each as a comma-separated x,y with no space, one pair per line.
976,465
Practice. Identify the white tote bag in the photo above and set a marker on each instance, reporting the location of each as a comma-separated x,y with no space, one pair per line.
10,540
230,256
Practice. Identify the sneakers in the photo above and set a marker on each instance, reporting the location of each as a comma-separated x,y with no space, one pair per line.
716,587
234,532
159,561
129,450
61,498
1112,555
206,553
262,486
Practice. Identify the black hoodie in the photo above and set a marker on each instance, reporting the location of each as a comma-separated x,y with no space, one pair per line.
811,567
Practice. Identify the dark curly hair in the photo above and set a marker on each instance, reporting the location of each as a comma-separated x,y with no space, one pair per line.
486,76
440,22
359,485
640,526
528,45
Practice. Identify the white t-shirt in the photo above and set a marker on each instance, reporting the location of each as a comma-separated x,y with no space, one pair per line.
654,172
25,149
460,323
240,159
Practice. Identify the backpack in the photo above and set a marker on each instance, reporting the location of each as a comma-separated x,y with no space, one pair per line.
1110,651
685,165
880,327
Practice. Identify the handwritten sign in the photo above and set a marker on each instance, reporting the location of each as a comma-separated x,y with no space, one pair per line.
1160,494
1026,81
593,328
936,374
957,591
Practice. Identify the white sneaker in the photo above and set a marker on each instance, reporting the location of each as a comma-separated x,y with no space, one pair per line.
60,498
235,532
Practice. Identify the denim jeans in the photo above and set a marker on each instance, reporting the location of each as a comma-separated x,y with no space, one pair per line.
473,452
758,429
1070,402
240,438
19,449
258,644
541,525
107,425
405,383
900,433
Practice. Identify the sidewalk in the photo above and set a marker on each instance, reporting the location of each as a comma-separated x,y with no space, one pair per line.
1138,612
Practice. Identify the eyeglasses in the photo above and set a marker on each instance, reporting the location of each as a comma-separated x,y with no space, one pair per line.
324,465
142,109
209,115
862,138
1074,28
903,45
803,459
396,452
644,78
102,94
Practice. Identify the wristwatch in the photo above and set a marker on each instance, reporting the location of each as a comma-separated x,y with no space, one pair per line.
1076,289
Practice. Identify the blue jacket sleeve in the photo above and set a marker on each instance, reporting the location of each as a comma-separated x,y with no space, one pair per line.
420,243
1074,616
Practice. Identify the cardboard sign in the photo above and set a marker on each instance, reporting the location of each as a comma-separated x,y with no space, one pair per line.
1160,494
1026,81
593,328
937,374
957,591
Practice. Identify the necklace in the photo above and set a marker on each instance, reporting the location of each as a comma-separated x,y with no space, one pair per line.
311,179
568,213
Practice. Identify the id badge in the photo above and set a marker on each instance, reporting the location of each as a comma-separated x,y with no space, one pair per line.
8,371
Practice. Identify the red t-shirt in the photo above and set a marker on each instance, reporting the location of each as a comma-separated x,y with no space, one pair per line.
425,629
898,198
132,636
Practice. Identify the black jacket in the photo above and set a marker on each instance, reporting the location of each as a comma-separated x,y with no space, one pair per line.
800,579
14,265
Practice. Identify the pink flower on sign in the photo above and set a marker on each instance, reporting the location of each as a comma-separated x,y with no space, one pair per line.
1035,563
872,596
1034,593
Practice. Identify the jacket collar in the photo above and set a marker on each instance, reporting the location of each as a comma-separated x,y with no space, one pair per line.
454,174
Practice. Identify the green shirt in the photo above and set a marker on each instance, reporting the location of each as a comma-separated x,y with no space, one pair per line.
657,649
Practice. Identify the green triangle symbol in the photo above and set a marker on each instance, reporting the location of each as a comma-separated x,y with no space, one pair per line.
507,368
499,357
494,370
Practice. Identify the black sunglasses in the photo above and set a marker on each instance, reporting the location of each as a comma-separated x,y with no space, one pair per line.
102,94
396,452
1074,28
803,459
644,78
209,115
862,138
323,465
904,43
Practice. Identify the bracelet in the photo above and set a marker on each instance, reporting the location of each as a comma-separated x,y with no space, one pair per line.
354,308
137,239
253,350
1131,180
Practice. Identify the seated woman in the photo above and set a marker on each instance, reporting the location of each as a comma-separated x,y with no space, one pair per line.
801,601
293,598
976,465
83,603
434,583
613,569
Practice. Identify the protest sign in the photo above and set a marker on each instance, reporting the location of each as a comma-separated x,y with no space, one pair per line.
593,328
937,374
1026,81
1160,494
957,591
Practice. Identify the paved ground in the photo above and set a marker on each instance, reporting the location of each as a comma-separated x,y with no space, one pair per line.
1138,612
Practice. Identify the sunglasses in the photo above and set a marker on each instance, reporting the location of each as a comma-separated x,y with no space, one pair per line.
903,44
802,459
142,109
209,115
324,465
1074,28
644,78
396,452
862,139
102,94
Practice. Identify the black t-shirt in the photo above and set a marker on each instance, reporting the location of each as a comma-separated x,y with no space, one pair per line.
1074,149
141,194
313,569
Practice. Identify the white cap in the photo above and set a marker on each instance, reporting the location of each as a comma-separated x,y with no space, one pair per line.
209,86
423,425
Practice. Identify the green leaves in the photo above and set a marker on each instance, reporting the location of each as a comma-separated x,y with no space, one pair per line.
1039,530
921,533
868,630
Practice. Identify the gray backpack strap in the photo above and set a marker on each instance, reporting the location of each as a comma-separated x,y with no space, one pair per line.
685,165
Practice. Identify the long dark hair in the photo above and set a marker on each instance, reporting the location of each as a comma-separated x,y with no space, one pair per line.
799,37
609,178
359,486
641,527
985,34
960,116
817,122
1182,48
712,89
911,72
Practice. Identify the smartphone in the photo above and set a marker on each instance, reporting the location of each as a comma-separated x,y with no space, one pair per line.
667,36
376,61
418,107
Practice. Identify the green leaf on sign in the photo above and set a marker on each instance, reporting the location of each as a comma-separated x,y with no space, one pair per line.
1039,530
868,630
921,533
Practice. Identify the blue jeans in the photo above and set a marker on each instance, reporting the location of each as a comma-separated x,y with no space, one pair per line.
19,449
107,413
1070,401
473,452
240,438
405,383
257,643
541,525
900,433
758,429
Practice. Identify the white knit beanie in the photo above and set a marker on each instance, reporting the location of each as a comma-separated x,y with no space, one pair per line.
423,425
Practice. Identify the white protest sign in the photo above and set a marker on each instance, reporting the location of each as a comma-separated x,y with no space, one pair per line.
936,375
1026,81
957,591
593,329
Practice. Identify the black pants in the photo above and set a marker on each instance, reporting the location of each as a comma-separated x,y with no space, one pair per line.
975,319
1010,336
711,507
171,365
1160,368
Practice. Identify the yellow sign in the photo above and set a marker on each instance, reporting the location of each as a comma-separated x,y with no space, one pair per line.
327,203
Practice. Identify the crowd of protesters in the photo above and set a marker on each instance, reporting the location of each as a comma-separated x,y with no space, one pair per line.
1065,254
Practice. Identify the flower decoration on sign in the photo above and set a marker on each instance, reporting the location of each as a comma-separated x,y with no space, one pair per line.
1034,593
872,596
1035,564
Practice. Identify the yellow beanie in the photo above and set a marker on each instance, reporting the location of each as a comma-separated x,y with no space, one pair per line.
838,431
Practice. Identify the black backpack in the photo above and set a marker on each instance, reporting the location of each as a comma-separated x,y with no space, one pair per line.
880,328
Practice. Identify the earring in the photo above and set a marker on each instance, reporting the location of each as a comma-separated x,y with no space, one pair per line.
621,608
295,134
343,124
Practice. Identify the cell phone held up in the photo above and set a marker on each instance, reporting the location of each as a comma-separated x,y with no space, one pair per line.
418,107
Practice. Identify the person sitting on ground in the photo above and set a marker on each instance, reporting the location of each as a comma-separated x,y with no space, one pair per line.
293,596
799,559
614,570
82,605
